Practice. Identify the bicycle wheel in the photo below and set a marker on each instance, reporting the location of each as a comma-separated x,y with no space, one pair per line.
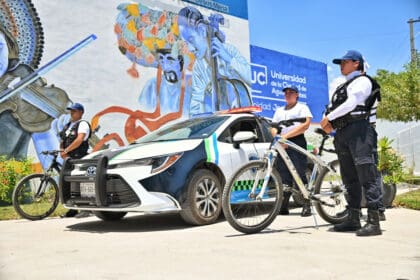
243,211
330,191
35,197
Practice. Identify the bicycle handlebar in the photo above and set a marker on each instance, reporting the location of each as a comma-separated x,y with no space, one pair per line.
325,136
286,123
51,152
323,133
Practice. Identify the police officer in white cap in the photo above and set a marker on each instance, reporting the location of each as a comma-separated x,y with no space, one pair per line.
294,133
354,142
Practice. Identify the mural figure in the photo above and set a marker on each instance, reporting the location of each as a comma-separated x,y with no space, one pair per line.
150,38
168,93
15,140
221,74
29,113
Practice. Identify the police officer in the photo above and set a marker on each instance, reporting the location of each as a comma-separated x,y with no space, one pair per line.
354,142
74,142
295,134
75,134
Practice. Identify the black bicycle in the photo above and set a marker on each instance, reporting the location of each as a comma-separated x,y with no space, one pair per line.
36,196
389,190
296,194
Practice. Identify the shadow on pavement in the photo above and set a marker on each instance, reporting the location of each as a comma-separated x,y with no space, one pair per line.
296,230
135,223
138,223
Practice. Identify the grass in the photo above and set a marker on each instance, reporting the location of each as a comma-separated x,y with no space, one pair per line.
9,213
409,200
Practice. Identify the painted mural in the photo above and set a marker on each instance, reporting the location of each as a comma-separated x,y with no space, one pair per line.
181,58
196,70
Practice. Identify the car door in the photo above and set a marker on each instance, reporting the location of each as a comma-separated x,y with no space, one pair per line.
236,157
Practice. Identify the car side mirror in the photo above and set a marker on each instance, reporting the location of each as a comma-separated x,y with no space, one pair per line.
242,136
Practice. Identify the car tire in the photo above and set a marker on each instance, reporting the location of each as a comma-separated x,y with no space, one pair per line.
201,200
109,216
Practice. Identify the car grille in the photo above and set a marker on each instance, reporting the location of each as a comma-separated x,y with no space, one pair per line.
116,193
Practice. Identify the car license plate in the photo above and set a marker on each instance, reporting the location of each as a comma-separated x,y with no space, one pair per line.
87,189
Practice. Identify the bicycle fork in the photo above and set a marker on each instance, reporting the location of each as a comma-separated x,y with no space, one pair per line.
270,157
40,190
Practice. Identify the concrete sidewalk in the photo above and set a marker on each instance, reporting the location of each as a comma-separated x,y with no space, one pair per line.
163,247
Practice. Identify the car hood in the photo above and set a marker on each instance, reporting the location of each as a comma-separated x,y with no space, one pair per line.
146,150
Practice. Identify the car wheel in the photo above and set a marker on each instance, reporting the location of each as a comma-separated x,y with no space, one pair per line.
109,216
201,200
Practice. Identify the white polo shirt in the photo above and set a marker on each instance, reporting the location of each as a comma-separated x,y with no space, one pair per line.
357,93
298,111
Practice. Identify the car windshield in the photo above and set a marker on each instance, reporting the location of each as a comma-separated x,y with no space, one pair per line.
196,128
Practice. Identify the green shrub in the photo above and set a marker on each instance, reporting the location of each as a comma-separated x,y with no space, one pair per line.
11,171
390,162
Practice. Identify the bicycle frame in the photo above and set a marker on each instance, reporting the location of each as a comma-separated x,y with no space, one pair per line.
276,148
55,165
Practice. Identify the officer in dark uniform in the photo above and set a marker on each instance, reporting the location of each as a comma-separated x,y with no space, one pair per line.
74,142
354,142
75,134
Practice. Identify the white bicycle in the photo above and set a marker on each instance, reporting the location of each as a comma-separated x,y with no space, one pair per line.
252,199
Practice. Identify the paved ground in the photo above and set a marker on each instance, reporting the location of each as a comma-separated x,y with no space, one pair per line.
163,247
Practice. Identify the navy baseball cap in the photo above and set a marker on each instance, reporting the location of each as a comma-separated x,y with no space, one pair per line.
294,88
350,55
76,106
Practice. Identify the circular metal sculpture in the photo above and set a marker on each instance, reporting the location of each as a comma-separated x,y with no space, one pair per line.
21,20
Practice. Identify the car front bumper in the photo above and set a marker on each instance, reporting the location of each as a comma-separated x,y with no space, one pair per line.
106,189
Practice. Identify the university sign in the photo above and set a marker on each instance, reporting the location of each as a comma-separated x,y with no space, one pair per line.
272,71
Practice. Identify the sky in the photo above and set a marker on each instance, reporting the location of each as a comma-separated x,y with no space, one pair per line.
325,29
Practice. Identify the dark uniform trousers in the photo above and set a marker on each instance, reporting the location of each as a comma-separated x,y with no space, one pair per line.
355,145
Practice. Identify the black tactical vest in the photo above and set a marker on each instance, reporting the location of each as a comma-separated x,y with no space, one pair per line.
358,113
81,151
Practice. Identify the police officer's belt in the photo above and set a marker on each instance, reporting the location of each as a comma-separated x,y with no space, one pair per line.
345,120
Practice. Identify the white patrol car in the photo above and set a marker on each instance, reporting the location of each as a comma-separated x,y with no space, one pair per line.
178,168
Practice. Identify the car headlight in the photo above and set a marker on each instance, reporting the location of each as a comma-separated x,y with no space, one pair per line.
158,164
162,163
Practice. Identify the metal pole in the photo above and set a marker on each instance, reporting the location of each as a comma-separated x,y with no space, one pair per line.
412,47
44,69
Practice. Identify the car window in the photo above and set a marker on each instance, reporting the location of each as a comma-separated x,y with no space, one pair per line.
196,128
241,125
265,129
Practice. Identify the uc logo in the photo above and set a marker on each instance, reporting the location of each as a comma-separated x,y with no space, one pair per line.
259,74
